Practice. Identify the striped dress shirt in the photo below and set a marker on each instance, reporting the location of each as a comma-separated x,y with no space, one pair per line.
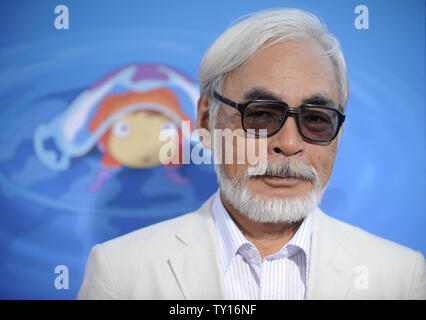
281,276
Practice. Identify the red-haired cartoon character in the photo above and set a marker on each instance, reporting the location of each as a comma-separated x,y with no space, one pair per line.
133,139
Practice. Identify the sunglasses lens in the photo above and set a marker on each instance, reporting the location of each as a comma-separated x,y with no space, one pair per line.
318,124
263,115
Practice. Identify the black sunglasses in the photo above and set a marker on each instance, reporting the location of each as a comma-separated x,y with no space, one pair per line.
315,123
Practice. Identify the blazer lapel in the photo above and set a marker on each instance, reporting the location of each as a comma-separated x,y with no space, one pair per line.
328,276
196,266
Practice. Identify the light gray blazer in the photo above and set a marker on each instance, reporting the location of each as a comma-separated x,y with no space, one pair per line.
178,259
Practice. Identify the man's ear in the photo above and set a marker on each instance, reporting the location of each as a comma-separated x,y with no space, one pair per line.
203,112
203,118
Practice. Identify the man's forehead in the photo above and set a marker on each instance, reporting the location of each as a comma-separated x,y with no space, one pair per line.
287,72
297,92
292,69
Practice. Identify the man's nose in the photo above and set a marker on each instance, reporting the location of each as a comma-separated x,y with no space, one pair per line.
287,141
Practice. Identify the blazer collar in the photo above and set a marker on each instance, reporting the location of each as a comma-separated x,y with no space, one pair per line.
196,266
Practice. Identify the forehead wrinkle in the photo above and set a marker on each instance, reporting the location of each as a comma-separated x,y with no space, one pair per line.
260,93
320,98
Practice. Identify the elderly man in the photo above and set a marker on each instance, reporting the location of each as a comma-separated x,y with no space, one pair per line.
281,78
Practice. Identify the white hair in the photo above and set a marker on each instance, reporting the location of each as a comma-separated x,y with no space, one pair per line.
242,40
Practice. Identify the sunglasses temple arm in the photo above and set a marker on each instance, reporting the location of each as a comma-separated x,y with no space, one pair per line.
226,101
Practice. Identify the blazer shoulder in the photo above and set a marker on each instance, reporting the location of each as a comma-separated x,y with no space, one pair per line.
165,235
137,264
349,253
115,267
358,240
155,236
387,259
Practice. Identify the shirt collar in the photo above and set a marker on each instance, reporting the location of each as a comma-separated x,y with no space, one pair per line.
231,238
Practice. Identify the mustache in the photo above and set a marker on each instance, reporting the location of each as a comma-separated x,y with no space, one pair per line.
284,169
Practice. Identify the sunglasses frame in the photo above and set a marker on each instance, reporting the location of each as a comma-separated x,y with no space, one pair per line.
241,107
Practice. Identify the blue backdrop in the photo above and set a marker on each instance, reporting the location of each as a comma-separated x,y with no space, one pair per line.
57,196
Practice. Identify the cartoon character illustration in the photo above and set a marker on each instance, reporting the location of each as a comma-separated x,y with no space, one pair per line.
123,115
133,140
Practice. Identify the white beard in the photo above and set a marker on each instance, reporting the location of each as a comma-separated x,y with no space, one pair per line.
272,209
